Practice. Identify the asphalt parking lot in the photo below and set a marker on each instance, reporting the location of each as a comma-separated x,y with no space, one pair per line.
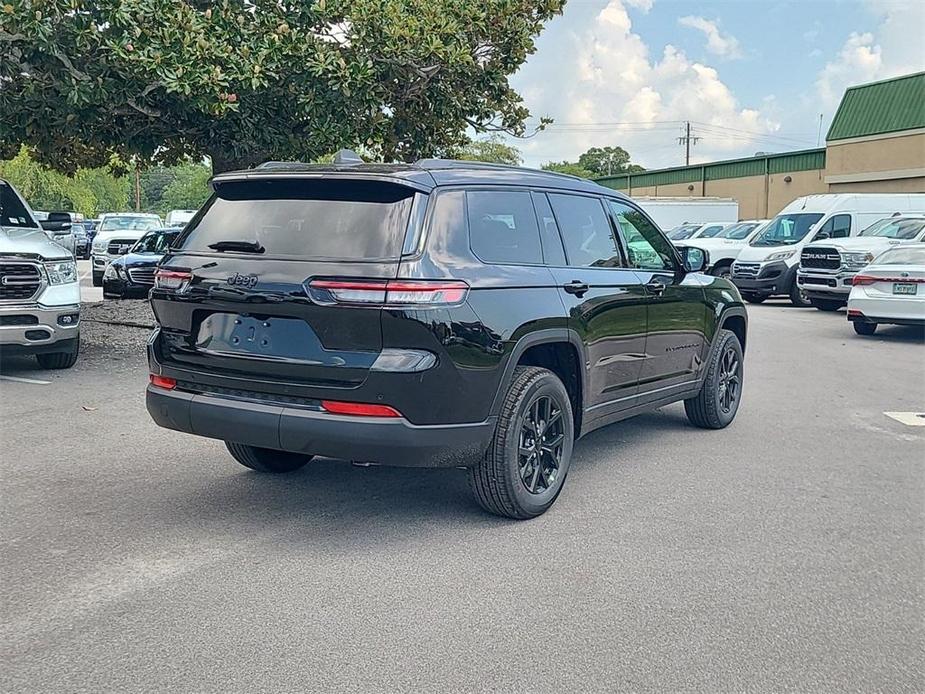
784,553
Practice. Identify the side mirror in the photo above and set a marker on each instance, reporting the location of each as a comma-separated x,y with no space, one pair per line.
56,227
821,235
695,259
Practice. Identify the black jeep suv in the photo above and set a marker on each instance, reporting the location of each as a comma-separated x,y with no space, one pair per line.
443,313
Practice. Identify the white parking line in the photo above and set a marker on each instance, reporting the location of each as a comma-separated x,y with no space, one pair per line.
912,419
20,379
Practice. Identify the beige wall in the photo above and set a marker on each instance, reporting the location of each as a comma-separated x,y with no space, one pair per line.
749,191
904,155
899,185
902,152
781,193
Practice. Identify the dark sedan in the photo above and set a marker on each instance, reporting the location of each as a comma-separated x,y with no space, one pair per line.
132,275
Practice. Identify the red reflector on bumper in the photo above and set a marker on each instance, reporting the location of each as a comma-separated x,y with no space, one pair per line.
358,409
163,382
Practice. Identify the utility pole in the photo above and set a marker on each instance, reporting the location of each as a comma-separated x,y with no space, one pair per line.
687,140
819,135
137,187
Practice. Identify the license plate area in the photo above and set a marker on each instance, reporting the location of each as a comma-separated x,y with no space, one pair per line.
269,338
904,288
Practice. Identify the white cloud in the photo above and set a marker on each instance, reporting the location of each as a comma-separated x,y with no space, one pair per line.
893,48
611,91
642,5
718,43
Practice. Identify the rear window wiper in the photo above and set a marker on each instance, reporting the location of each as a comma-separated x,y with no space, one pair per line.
240,246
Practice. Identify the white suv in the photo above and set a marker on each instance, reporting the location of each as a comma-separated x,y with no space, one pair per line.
724,249
827,268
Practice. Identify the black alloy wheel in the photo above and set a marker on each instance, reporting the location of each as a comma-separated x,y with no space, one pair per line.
730,380
541,439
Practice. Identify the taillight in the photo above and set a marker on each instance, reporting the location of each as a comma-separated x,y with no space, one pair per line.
172,279
358,409
389,292
164,382
870,279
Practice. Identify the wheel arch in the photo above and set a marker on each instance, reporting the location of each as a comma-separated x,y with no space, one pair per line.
562,352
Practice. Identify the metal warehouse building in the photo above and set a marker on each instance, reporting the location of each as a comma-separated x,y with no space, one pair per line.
876,144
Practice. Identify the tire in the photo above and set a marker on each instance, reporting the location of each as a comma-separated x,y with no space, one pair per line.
97,279
753,298
501,482
827,304
267,459
709,409
797,298
59,360
724,271
862,328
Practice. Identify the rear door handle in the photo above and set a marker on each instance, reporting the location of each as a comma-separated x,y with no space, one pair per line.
576,287
656,286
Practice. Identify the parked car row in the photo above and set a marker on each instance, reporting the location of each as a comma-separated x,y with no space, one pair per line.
818,251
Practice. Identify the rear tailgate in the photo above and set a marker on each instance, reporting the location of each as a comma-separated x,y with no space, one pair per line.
248,316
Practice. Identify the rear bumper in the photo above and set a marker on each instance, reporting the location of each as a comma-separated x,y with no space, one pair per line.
296,429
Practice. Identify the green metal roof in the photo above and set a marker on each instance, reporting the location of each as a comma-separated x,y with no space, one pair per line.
880,107
787,162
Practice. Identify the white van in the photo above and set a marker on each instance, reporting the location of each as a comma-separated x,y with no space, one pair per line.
767,266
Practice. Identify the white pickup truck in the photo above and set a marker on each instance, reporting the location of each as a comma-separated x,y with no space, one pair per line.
827,268
39,291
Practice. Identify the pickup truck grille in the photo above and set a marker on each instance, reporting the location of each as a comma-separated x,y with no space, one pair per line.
19,281
119,246
142,275
821,258
749,270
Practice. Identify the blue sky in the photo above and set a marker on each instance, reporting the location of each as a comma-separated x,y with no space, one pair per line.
752,76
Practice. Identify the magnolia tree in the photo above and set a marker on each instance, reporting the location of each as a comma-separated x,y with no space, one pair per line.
242,81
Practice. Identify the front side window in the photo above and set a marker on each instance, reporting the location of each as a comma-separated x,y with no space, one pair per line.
12,212
646,247
586,231
155,242
711,231
786,229
901,229
683,232
835,227
739,231
502,227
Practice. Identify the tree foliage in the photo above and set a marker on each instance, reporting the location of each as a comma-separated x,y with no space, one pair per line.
247,80
597,162
607,161
89,191
492,149
569,168
181,187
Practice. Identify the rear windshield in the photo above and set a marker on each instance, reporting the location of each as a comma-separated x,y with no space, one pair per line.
322,220
902,256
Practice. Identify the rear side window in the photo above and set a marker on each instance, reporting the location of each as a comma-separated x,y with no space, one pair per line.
586,231
318,219
502,227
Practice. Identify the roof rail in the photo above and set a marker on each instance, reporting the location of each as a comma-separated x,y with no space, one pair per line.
466,164
281,165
